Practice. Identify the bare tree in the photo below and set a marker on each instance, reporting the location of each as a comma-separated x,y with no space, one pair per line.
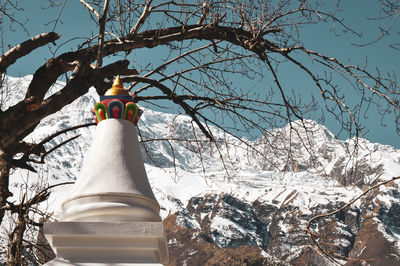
27,219
208,45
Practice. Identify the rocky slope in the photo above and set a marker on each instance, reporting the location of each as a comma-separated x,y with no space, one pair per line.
240,204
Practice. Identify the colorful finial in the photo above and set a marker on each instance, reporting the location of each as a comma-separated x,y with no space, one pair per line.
117,88
117,103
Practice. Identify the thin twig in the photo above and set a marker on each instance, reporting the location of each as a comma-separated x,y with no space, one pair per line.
91,9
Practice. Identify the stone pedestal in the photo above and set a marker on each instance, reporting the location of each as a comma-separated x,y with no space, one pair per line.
96,243
112,216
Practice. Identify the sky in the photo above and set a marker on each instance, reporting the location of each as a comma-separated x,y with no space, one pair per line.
357,13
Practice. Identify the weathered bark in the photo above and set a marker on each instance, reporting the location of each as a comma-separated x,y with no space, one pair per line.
25,48
4,181
102,26
15,242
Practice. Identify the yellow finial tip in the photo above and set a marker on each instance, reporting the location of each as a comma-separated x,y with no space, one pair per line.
117,82
117,88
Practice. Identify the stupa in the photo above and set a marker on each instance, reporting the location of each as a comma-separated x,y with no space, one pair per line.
112,216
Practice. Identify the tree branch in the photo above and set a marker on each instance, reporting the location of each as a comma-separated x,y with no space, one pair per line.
141,20
102,25
314,235
16,52
180,101
91,9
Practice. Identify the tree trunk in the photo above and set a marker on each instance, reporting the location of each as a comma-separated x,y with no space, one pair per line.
4,180
15,243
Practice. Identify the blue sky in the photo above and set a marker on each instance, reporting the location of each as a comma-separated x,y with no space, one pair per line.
75,23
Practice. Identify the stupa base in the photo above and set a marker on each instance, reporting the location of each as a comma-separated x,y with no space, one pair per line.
110,207
62,262
107,243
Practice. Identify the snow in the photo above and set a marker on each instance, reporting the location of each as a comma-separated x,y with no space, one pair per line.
249,178
387,227
265,186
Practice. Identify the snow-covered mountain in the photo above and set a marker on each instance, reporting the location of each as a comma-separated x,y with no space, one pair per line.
245,199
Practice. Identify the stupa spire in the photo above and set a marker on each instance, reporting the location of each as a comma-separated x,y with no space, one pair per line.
117,88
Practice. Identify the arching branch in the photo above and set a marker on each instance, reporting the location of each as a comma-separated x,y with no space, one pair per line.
24,48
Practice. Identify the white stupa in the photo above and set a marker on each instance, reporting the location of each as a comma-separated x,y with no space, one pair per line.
112,216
